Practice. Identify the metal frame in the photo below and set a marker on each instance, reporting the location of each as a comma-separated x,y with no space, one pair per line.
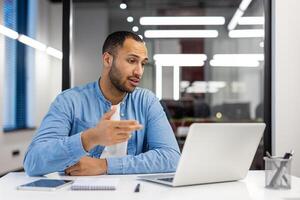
268,77
66,44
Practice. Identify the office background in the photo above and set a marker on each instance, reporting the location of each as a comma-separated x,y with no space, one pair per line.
205,93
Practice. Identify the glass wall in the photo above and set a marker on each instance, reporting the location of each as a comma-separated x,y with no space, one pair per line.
206,57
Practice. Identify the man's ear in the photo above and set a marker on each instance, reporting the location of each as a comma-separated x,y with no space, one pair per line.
107,59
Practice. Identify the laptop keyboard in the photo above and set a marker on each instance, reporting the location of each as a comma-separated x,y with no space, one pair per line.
166,179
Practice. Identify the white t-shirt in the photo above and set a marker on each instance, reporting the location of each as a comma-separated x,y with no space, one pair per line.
117,150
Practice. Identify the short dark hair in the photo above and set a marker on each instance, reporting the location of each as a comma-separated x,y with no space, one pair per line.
117,39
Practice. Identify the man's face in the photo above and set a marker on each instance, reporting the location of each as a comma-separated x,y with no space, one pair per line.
128,65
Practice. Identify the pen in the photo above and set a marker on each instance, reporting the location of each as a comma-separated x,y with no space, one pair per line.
278,174
275,164
137,188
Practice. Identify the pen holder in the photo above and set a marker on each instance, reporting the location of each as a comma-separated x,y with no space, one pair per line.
278,173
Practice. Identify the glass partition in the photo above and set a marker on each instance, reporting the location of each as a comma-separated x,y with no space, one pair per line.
207,58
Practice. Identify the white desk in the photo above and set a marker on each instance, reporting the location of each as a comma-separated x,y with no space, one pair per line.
250,188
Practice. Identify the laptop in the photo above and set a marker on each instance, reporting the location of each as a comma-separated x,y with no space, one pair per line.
214,152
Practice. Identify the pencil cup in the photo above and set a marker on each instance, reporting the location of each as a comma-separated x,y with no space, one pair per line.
278,173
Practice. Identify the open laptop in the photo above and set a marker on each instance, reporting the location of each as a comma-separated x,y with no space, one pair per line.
214,152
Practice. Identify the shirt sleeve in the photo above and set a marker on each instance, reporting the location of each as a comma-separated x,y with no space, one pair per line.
52,149
162,154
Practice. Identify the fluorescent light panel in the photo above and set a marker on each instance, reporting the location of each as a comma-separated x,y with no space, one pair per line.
251,21
158,81
201,89
244,4
236,17
238,14
215,84
54,52
176,84
258,57
262,44
8,32
32,43
234,63
181,33
247,33
180,59
188,20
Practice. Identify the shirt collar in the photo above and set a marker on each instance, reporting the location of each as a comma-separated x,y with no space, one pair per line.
102,97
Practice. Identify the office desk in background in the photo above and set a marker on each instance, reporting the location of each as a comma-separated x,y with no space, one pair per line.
250,188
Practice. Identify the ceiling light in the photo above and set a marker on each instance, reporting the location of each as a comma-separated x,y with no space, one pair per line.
176,84
234,63
191,60
236,17
130,19
238,14
135,29
8,32
251,21
123,5
54,52
258,57
247,33
31,42
261,44
181,33
191,20
244,4
158,81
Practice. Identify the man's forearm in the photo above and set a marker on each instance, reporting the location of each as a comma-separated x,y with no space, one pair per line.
152,161
53,155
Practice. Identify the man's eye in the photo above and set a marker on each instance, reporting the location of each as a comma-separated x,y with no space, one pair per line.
131,60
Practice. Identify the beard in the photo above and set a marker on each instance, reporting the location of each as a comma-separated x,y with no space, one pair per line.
116,77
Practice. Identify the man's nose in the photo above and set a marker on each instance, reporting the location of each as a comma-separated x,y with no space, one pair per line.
139,70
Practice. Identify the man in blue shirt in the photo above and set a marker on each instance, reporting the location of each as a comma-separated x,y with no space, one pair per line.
87,127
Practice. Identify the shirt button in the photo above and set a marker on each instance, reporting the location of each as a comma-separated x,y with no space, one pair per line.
122,114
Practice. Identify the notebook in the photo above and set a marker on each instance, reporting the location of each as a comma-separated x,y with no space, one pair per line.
95,184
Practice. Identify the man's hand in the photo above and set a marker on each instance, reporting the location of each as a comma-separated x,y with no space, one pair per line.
109,132
88,166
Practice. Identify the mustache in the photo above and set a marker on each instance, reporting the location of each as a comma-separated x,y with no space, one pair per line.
136,78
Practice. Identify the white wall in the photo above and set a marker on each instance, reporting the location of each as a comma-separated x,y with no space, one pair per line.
286,86
90,28
48,70
1,67
47,81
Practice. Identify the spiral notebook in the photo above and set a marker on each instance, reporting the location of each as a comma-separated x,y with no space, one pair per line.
95,184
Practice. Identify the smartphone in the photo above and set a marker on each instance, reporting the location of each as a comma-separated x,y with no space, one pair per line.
45,184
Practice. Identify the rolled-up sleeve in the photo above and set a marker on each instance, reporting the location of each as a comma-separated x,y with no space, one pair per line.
52,149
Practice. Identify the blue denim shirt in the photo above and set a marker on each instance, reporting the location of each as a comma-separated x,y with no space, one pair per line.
57,144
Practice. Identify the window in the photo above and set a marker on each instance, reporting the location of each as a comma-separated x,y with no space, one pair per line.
16,70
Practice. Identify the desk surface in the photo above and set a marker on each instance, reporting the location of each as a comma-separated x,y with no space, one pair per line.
252,187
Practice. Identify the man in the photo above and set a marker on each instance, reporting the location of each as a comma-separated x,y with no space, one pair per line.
109,126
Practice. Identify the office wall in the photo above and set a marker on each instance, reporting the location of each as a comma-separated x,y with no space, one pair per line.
48,70
286,86
90,28
47,81
1,66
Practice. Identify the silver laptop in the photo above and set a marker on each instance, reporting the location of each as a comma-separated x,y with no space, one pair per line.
214,152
